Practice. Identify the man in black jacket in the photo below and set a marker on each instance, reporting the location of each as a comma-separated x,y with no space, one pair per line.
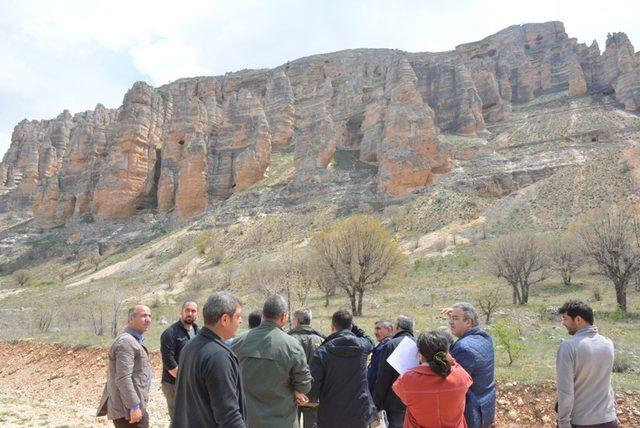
173,339
383,395
382,329
209,390
339,370
310,341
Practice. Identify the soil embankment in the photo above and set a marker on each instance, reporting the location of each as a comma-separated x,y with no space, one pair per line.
58,385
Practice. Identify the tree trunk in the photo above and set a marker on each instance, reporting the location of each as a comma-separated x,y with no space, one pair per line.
621,295
525,294
352,299
566,277
326,299
517,297
360,298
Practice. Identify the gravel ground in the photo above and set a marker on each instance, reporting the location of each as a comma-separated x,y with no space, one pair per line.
60,386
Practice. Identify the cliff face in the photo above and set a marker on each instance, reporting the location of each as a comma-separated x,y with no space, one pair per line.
194,142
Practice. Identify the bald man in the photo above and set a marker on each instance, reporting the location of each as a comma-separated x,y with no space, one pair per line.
125,396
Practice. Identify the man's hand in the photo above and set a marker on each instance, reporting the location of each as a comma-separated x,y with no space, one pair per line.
301,399
135,415
446,311
173,372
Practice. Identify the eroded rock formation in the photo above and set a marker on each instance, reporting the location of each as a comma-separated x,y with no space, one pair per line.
192,143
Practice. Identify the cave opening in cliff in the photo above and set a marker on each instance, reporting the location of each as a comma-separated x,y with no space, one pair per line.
353,132
150,199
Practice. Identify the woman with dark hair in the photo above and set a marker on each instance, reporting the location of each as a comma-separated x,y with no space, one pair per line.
434,392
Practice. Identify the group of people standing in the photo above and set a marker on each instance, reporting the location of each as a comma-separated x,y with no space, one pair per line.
268,378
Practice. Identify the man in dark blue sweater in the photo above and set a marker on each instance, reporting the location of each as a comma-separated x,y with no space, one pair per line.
173,339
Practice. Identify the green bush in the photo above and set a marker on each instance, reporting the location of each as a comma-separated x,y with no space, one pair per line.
506,335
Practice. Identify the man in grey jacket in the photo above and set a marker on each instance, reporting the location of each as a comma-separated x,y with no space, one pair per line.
125,396
583,368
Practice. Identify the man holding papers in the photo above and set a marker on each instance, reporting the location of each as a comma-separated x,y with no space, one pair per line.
383,396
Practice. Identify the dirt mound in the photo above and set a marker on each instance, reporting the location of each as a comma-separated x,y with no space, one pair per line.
57,385
54,385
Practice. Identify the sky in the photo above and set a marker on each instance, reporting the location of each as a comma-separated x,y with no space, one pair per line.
68,54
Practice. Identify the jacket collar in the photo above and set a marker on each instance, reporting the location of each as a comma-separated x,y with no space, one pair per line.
305,329
402,333
269,325
139,337
179,324
472,331
210,335
340,333
383,341
585,331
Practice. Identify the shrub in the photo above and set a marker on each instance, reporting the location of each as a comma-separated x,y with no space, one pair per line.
21,277
621,363
506,335
597,295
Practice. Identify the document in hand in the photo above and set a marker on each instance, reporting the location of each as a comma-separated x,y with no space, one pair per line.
405,356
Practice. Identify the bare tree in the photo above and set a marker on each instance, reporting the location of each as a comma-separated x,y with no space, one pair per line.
360,253
440,245
612,240
70,316
565,256
96,314
489,302
116,303
264,277
21,277
43,318
520,260
324,281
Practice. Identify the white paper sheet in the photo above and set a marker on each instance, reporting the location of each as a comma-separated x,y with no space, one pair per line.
405,356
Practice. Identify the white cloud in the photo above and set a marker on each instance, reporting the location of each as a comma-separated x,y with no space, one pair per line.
167,60
76,53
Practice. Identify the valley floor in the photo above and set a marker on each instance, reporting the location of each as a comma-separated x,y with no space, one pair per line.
60,386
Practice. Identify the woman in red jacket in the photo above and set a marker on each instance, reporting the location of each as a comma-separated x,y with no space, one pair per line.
434,392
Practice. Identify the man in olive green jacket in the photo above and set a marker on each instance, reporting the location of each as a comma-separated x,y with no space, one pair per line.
275,375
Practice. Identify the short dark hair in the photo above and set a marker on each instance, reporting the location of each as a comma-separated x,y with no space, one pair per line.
274,307
573,308
255,318
342,319
218,304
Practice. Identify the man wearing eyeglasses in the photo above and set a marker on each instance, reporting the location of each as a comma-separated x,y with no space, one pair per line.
474,352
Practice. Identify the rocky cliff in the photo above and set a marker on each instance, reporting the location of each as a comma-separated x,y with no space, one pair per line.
194,142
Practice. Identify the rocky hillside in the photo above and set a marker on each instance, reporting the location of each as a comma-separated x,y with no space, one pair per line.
186,146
